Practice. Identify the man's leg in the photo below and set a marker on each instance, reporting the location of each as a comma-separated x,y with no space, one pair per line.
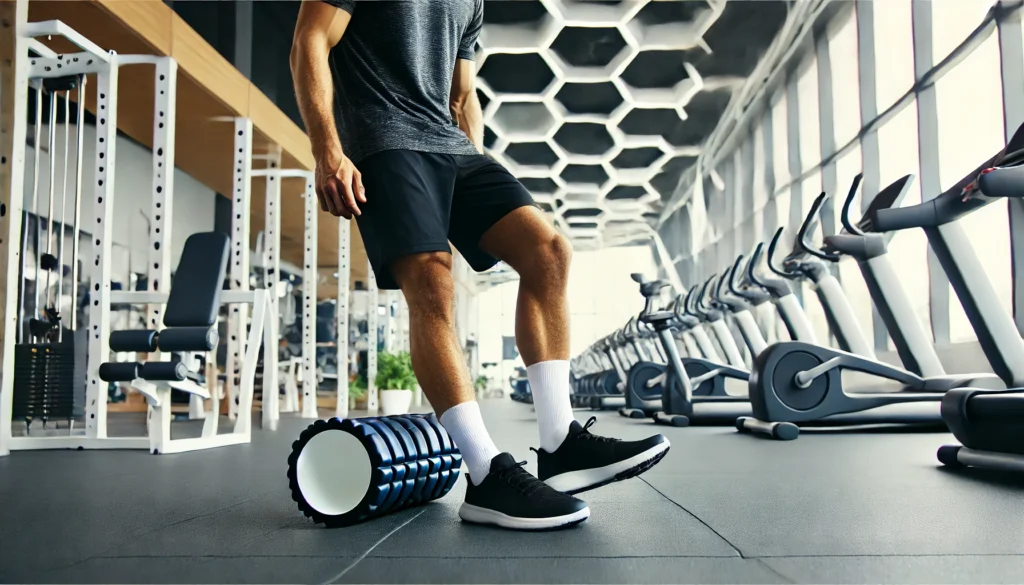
426,281
570,459
500,491
530,245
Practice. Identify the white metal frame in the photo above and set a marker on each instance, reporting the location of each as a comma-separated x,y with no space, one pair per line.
341,315
105,65
159,395
238,272
372,308
310,277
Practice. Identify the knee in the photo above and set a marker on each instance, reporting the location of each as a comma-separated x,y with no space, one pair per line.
552,258
426,281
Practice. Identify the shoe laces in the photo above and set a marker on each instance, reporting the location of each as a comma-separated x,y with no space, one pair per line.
588,436
520,479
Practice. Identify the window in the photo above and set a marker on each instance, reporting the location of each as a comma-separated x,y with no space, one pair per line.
846,81
760,190
810,120
894,51
898,154
781,140
847,167
953,21
971,131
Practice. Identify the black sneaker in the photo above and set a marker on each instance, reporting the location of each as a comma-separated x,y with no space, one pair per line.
585,461
512,498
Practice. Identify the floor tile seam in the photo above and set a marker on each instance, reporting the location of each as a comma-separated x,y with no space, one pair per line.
885,555
366,553
697,518
452,557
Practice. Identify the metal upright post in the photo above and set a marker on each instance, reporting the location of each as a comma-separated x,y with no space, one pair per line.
1011,51
341,315
928,149
795,213
102,232
869,147
238,315
826,121
13,111
272,265
161,210
371,338
310,277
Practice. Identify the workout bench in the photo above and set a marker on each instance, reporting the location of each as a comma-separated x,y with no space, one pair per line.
189,321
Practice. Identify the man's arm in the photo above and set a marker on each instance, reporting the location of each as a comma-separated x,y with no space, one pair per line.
319,28
465,104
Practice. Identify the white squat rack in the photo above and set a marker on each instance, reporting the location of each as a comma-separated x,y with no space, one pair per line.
15,77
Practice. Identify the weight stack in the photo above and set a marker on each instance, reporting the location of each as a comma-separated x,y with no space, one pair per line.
344,471
44,381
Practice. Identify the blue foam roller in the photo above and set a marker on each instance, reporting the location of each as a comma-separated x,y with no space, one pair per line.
345,471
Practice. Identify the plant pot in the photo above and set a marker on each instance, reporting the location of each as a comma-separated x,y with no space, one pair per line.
394,402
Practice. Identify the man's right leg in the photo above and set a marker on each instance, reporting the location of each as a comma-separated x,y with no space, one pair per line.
429,289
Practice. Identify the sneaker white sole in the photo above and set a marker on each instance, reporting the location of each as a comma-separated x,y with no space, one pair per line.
478,515
573,482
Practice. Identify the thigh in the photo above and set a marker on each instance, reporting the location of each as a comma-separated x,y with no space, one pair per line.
485,192
408,203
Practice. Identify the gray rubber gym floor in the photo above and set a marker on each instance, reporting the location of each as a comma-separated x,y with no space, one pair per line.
720,508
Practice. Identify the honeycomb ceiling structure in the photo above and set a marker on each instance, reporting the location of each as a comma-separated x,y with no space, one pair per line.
598,107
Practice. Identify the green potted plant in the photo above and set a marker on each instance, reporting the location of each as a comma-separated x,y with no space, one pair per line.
356,390
395,380
481,383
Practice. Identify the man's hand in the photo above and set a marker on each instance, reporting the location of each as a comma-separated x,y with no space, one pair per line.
339,187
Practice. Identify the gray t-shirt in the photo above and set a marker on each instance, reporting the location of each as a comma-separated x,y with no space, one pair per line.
393,74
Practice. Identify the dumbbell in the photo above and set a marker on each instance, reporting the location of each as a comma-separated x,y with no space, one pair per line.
345,471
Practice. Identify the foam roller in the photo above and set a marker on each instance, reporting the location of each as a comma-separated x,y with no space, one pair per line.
345,471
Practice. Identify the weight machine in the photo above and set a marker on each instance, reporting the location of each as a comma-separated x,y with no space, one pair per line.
45,386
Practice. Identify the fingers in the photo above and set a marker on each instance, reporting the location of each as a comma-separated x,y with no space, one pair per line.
357,180
331,199
347,180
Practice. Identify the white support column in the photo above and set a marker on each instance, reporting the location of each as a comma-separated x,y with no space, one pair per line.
310,278
13,126
102,232
272,265
389,324
371,335
341,315
238,315
159,270
401,326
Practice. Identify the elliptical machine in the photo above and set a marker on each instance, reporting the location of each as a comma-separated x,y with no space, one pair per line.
796,382
643,382
988,423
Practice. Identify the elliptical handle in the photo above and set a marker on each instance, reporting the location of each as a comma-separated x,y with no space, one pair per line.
850,197
805,228
755,258
732,276
691,301
704,308
772,246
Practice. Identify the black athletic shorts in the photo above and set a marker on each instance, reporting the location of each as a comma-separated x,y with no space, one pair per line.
417,202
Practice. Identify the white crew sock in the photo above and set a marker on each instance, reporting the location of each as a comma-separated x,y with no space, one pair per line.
549,384
466,427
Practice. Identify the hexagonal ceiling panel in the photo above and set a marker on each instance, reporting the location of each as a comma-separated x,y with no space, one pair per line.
600,106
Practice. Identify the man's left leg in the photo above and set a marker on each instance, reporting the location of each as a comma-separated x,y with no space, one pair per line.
570,458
